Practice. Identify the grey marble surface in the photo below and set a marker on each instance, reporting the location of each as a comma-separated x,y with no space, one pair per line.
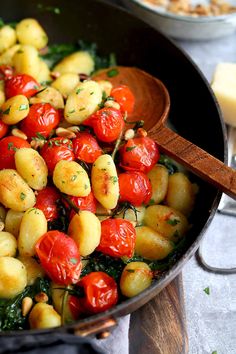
211,318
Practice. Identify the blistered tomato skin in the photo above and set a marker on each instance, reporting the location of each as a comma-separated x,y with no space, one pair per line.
100,292
139,154
55,150
59,257
83,203
46,200
42,119
8,147
3,129
86,147
135,188
21,84
107,124
124,96
117,238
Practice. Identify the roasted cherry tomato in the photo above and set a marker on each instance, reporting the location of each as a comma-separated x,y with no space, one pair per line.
86,147
42,119
117,238
57,149
107,124
83,203
100,292
59,256
6,71
75,307
8,147
3,129
124,96
135,188
21,84
139,154
46,200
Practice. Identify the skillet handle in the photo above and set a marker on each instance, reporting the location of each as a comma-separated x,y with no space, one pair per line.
196,160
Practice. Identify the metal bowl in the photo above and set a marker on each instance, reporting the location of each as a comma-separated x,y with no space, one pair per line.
183,27
137,44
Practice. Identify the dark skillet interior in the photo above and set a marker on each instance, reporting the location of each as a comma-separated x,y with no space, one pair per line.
193,114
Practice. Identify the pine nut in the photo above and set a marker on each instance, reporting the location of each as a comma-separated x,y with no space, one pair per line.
141,132
112,104
74,129
35,144
26,306
41,297
65,133
19,134
129,134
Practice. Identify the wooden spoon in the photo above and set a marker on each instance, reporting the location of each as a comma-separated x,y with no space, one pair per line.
152,105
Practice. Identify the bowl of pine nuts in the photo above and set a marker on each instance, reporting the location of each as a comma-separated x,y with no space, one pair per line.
188,19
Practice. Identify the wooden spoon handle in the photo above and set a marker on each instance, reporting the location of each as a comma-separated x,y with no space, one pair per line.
196,160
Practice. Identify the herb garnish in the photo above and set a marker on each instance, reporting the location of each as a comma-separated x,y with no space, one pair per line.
207,290
22,196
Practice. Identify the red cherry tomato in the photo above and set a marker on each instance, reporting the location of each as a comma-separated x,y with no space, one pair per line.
124,96
6,71
57,149
139,154
59,256
100,292
107,124
8,147
135,188
21,84
117,238
42,119
83,203
86,147
3,129
46,201
75,307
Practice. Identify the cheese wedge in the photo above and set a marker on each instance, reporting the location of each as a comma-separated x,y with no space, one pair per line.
224,87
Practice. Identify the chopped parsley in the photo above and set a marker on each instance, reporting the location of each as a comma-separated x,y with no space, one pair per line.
23,107
72,111
173,222
22,196
73,178
79,90
207,290
130,270
130,148
73,260
112,72
114,179
53,9
7,111
82,109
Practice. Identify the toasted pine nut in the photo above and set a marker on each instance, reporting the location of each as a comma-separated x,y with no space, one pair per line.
26,306
41,297
19,134
129,134
65,133
112,104
141,132
74,129
35,144
106,86
2,225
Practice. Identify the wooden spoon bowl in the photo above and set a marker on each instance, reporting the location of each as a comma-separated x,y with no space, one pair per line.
152,105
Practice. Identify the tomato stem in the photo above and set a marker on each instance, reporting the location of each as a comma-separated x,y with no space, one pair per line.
63,306
117,144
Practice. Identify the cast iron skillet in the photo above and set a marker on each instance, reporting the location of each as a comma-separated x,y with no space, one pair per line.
194,112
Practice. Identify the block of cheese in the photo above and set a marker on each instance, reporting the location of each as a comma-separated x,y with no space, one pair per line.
224,87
